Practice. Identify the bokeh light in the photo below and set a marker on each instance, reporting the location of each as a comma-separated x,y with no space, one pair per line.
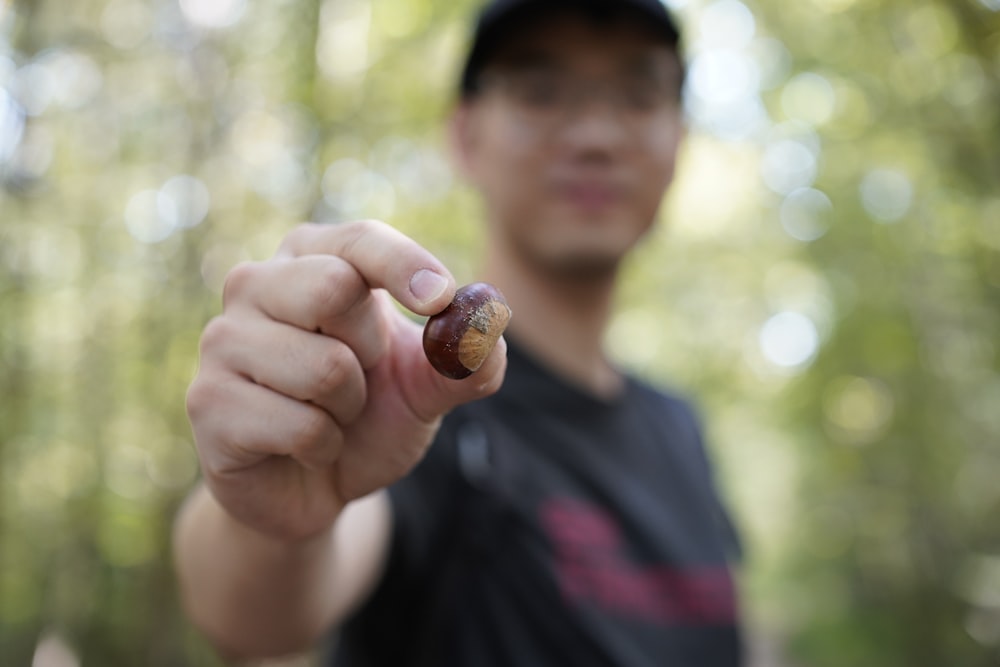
145,219
724,78
788,165
858,410
183,201
126,24
806,214
213,13
810,98
789,339
886,194
11,125
354,191
343,48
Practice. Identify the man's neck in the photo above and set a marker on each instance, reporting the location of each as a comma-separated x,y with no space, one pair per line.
560,320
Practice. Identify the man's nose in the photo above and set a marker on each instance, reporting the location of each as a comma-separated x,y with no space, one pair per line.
596,122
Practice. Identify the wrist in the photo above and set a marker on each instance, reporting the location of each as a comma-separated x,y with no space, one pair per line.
274,538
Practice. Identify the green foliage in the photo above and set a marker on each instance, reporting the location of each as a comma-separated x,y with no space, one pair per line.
839,326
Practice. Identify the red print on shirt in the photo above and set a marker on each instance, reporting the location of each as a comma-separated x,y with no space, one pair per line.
592,568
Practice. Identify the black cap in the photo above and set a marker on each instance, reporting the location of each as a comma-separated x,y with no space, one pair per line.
497,16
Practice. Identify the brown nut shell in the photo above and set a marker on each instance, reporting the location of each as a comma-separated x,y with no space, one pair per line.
459,338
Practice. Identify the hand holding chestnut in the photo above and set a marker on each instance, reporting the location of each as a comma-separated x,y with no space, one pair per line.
459,338
312,391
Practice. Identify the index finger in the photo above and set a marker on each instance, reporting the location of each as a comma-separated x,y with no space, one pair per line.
384,256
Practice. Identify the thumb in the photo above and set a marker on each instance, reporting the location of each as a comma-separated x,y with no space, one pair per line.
430,395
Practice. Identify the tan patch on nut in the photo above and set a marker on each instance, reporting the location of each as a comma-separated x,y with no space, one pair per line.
487,325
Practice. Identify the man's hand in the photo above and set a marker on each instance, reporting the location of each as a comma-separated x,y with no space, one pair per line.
313,388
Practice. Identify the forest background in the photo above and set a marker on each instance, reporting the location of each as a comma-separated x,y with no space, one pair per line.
826,282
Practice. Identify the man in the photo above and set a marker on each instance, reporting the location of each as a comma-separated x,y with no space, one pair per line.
565,514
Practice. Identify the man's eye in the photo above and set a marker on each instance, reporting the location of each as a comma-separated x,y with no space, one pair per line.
540,91
644,95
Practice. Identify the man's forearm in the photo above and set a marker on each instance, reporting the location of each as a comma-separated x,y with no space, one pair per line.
255,596
252,595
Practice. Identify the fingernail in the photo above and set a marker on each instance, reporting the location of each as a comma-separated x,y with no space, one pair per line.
427,285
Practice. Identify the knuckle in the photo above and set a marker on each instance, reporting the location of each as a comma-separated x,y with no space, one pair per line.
301,232
325,293
353,407
339,274
316,450
203,402
200,396
355,232
303,229
331,370
335,288
362,227
217,333
310,430
237,281
213,463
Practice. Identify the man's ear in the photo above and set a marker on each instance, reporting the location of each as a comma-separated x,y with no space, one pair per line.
461,140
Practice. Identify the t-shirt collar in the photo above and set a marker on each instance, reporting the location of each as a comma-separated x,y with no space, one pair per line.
531,384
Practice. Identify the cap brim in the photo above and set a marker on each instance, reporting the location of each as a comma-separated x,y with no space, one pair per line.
499,16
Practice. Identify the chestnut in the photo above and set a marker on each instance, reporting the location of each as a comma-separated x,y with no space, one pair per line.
459,338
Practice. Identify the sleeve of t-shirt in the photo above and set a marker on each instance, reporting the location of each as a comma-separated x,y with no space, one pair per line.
687,420
724,523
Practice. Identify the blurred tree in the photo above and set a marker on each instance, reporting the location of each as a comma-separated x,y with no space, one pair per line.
827,284
898,421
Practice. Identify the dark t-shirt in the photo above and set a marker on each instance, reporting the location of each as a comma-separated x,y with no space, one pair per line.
547,527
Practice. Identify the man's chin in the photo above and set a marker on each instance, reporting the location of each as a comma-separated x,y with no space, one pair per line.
583,267
567,253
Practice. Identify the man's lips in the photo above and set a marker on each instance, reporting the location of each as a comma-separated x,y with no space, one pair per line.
589,194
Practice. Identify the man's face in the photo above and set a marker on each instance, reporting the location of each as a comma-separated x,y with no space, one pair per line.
572,141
